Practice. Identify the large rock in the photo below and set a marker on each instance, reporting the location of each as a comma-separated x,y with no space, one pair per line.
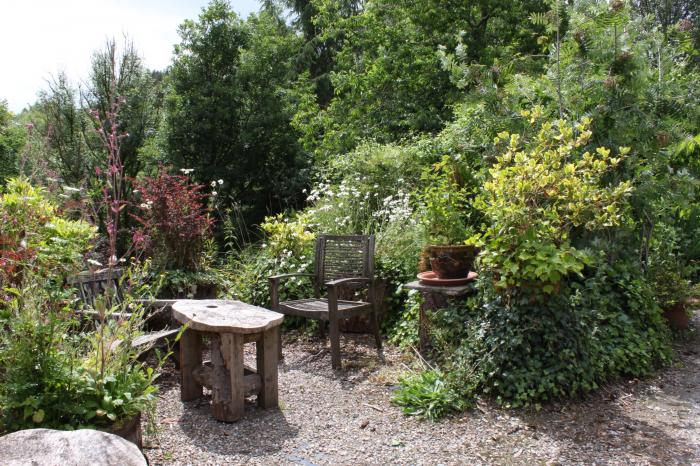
46,447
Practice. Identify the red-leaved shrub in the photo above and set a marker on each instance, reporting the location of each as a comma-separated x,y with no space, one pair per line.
174,219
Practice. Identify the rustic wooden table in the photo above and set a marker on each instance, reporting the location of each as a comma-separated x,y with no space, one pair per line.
228,325
434,298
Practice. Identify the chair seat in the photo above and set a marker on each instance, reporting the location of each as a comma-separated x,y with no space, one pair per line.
315,308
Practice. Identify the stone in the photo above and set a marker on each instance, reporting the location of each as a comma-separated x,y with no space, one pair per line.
46,447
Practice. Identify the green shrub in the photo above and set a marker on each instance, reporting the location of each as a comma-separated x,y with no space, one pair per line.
55,376
538,193
32,226
288,248
446,210
403,328
523,350
427,394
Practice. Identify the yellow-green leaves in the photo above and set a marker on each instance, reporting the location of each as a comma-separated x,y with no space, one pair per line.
538,192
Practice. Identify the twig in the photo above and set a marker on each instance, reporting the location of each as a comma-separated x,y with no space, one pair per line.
420,356
376,408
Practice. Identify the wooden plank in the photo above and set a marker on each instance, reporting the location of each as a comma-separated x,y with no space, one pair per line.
251,337
334,327
232,353
267,360
205,376
220,382
252,384
190,359
155,337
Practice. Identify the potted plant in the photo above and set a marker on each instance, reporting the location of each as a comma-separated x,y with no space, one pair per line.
672,291
446,212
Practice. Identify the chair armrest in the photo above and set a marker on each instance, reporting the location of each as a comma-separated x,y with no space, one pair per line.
274,282
343,281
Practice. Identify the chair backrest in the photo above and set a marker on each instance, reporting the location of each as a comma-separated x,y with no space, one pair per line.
344,257
93,284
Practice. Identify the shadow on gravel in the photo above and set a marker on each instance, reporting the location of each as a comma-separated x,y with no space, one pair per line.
358,355
606,422
259,433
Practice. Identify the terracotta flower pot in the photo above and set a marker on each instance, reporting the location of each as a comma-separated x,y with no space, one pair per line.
128,429
677,316
453,261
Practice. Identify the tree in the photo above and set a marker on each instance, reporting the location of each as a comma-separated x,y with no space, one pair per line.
121,75
227,113
64,131
12,138
387,78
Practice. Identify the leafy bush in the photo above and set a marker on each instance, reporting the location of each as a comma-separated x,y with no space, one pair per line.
537,195
12,139
175,221
54,376
288,248
426,394
403,329
36,239
446,204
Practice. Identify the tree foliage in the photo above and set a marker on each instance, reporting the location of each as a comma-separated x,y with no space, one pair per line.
387,78
12,138
227,115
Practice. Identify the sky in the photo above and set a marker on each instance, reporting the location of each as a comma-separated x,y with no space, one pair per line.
39,38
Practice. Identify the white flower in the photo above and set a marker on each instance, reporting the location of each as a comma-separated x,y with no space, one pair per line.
187,171
213,184
70,189
220,182
145,206
94,262
214,193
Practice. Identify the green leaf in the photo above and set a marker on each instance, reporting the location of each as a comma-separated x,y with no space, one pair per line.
38,416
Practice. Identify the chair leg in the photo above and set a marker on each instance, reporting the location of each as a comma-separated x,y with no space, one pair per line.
375,328
335,341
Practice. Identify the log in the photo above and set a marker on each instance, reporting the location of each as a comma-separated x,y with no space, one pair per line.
228,391
204,375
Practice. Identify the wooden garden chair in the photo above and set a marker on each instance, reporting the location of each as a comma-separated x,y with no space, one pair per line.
341,263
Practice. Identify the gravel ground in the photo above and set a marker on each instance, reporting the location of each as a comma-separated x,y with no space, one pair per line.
346,419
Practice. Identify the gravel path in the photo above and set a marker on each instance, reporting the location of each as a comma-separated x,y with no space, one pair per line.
347,419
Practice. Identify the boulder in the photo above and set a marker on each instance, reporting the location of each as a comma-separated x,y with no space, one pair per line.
46,447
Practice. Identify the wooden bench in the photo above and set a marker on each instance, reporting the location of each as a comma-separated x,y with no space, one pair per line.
159,322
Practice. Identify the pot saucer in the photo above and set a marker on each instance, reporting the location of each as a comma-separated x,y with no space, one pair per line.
429,278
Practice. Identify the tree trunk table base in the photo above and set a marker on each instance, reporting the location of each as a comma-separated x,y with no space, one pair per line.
435,298
228,324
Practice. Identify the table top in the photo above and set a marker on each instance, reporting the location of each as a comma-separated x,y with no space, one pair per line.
224,316
454,291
